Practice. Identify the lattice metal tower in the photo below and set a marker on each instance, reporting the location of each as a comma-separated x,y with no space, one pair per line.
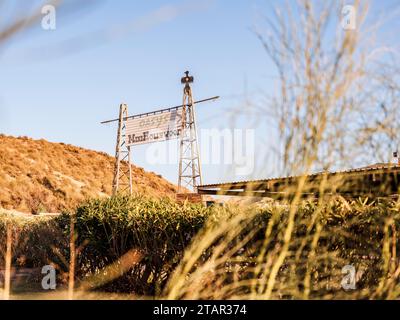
189,161
122,182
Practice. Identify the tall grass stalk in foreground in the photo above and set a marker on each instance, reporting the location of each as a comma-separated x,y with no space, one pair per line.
246,254
8,260
326,116
72,260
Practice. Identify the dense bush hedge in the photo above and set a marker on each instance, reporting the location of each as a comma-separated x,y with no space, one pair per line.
35,241
105,230
161,230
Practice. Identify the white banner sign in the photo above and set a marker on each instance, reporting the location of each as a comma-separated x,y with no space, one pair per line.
154,127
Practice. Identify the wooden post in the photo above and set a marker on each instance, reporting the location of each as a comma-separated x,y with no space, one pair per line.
7,275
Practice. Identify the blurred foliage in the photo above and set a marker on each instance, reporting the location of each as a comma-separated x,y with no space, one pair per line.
159,230
229,250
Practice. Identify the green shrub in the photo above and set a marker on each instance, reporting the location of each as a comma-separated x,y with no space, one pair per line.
36,242
262,254
159,229
234,246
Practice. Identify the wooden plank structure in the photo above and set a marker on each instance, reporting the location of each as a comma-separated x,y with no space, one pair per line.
373,182
190,197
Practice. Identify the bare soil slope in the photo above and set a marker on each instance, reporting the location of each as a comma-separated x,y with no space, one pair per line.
40,176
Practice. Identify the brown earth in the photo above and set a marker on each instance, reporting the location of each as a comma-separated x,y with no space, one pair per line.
40,176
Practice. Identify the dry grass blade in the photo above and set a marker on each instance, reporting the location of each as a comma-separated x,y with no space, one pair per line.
7,276
111,272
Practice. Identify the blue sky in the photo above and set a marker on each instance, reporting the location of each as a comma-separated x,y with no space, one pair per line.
58,85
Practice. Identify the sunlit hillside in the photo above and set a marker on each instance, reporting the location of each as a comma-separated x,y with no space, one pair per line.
40,176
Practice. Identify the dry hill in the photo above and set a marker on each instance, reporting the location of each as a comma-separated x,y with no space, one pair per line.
40,176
